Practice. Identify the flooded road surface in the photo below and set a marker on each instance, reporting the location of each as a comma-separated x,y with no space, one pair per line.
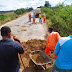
25,30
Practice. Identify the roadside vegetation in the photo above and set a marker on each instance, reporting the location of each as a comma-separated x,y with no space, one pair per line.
60,18
8,16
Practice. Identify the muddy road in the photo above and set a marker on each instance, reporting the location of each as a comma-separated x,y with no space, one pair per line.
25,30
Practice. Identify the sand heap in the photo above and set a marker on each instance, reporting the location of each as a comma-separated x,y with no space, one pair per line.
32,45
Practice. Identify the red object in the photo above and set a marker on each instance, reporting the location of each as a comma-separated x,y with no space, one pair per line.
44,18
47,50
52,40
33,20
29,15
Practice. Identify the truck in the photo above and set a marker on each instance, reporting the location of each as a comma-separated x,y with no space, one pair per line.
37,12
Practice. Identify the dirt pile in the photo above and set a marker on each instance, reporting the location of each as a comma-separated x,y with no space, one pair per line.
32,45
29,46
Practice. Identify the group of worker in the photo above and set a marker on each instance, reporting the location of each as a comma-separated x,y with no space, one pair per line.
62,47
9,49
40,18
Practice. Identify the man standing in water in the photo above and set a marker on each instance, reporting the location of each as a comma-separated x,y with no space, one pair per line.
9,49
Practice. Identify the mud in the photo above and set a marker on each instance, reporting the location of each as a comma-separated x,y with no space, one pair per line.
13,25
23,26
23,30
31,45
16,25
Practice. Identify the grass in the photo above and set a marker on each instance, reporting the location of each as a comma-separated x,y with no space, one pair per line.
6,17
48,22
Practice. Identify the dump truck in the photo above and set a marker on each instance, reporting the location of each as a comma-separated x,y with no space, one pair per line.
37,12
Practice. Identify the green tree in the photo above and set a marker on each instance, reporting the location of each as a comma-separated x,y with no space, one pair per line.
47,4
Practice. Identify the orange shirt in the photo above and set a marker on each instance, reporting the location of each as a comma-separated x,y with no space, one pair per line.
43,16
29,15
52,40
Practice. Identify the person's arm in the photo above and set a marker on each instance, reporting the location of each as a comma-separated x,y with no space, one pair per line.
46,50
17,39
19,46
48,40
57,49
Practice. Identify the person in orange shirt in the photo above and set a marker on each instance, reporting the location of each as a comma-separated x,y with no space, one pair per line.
44,18
52,40
29,17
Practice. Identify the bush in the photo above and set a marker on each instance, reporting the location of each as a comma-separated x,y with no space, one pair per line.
20,11
61,18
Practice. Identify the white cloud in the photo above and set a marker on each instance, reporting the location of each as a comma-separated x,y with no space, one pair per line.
16,4
68,2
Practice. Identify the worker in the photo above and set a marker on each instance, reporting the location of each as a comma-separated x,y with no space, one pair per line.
29,17
9,49
63,50
44,18
34,18
40,17
52,40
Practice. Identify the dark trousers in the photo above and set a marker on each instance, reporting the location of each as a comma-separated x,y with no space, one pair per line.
30,19
56,69
40,19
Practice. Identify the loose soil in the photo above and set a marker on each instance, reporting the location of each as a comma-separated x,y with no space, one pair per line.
16,25
23,26
30,46
39,59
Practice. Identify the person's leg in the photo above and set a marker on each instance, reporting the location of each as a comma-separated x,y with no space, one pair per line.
40,19
56,69
33,20
68,70
44,20
30,19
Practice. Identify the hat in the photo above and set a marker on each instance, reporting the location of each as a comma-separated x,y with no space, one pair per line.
50,29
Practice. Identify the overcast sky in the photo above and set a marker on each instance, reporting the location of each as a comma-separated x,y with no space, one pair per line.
16,4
